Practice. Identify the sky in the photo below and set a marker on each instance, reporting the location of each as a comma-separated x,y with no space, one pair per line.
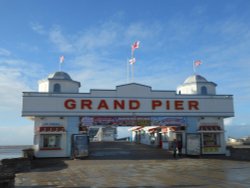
95,38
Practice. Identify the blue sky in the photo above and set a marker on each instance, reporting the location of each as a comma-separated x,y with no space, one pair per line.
95,38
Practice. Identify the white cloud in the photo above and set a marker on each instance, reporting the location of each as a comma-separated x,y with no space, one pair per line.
4,52
101,37
99,77
14,79
141,31
38,28
228,121
29,48
12,86
15,76
104,37
61,42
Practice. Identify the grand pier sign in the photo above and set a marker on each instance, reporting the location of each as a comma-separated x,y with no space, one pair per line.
122,104
126,100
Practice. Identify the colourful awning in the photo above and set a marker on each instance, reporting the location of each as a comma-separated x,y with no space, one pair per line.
209,128
153,129
168,129
136,128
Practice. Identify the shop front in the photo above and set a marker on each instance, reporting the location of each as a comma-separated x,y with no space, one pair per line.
211,139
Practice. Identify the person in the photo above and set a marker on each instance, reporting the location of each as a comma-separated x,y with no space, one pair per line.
179,146
174,148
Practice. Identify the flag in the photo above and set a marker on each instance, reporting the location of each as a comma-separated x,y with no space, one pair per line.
62,59
135,45
132,61
197,63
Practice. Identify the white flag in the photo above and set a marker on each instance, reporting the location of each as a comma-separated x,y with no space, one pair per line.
132,61
62,59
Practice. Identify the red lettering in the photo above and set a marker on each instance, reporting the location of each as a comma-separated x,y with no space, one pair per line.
193,105
87,104
156,103
70,104
103,104
119,104
178,105
134,104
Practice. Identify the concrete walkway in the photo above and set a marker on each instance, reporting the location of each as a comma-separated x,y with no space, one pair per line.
129,165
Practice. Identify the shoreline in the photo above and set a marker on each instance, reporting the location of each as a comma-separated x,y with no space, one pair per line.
12,151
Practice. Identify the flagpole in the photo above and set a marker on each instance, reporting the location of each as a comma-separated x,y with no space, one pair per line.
132,66
132,72
194,68
133,47
196,64
127,64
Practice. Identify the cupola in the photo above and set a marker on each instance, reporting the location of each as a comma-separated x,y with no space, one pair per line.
197,85
59,82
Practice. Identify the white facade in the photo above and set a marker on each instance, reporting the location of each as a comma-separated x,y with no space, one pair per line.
59,110
59,82
105,134
197,85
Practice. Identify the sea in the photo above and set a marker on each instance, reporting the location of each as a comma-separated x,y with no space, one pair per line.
8,152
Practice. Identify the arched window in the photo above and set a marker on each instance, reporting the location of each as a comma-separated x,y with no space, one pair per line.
204,90
57,88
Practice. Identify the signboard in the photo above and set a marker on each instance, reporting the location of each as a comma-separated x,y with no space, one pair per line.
168,121
123,102
193,144
131,121
80,144
211,149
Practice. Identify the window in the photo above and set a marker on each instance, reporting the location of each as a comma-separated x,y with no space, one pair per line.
211,139
204,90
51,141
152,138
143,134
57,88
164,137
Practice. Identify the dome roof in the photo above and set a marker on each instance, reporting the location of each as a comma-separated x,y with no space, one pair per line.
194,79
59,76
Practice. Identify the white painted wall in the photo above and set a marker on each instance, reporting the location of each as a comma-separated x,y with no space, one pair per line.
66,86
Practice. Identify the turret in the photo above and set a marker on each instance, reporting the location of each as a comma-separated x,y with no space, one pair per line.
59,82
197,85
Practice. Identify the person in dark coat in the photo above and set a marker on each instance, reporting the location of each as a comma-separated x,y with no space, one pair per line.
174,148
179,146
